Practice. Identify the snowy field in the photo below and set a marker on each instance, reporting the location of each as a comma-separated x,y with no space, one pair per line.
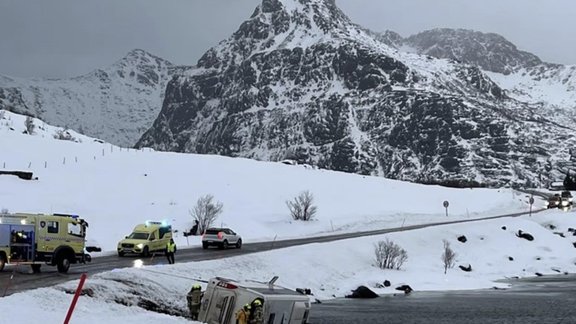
114,189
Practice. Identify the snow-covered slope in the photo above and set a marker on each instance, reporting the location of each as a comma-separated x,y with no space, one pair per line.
116,104
104,183
299,80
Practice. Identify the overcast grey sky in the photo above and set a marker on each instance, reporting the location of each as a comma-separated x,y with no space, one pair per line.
59,38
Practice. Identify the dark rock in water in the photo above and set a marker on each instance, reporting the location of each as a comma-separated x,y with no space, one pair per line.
552,227
538,274
524,235
504,227
362,292
510,258
467,269
538,258
405,288
387,283
574,243
570,229
560,234
462,239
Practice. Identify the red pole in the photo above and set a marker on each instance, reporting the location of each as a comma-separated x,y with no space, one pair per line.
76,295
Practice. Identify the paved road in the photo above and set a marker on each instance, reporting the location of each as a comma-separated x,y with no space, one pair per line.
17,279
539,300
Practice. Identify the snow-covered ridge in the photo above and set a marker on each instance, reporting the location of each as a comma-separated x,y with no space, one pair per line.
30,126
117,103
522,75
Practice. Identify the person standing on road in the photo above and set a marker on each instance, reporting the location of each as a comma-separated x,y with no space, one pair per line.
194,299
170,250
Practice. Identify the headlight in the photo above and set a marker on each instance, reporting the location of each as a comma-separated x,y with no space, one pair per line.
564,203
140,246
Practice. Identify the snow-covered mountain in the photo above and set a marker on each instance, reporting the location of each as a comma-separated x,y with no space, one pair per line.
523,75
299,80
489,51
116,104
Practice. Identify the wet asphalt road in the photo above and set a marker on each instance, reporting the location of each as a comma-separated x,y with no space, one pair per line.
540,300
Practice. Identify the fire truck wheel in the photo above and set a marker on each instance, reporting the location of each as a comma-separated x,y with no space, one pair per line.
2,261
63,264
36,268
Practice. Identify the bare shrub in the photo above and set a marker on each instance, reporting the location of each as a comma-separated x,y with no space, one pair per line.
389,255
29,123
206,212
448,257
302,207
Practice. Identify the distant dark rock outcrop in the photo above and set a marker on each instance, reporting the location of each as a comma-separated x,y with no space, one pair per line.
524,235
362,292
465,268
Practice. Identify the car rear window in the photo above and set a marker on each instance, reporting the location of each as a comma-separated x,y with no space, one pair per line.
213,231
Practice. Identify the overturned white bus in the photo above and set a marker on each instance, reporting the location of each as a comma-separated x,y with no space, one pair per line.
224,297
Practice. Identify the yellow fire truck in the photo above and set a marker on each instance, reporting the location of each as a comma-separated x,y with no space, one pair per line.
36,239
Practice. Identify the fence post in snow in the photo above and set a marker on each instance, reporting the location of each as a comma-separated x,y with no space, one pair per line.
274,240
29,165
102,152
76,159
64,160
45,164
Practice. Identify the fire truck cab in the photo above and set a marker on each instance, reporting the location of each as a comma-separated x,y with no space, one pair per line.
36,239
224,297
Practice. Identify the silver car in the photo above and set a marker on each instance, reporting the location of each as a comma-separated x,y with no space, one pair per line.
221,237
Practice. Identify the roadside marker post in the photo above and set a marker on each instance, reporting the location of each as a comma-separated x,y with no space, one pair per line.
446,204
75,299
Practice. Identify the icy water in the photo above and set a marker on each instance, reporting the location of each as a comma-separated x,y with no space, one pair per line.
540,300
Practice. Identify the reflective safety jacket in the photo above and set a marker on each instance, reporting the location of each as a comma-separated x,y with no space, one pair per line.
170,247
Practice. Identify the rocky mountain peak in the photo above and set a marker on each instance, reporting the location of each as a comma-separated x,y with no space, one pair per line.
141,57
277,24
137,64
492,52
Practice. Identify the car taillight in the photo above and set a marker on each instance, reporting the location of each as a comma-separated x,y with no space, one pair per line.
220,235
